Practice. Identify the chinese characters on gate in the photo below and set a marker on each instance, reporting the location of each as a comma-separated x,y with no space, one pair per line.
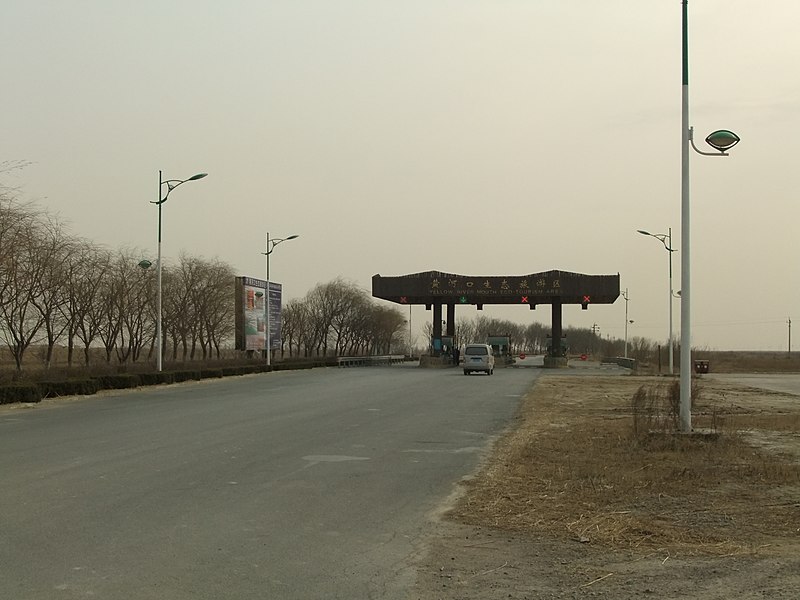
495,286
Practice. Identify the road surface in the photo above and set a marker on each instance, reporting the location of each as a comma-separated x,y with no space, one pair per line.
307,484
788,383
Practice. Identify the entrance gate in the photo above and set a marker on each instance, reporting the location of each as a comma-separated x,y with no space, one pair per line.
437,290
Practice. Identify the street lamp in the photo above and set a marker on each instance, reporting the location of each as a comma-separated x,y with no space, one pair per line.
625,296
171,185
271,243
666,239
410,353
721,141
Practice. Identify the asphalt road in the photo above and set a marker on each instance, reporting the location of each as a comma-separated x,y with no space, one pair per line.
788,383
310,484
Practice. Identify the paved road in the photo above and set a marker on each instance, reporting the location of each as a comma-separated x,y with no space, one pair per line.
788,383
576,366
314,484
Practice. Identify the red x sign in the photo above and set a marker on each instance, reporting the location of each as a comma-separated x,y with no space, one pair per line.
587,299
524,299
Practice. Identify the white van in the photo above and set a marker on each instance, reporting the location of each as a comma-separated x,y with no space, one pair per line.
478,357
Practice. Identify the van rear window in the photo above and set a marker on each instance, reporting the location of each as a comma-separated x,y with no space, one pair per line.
476,351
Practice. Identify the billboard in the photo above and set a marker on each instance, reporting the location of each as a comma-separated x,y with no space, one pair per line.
251,314
275,293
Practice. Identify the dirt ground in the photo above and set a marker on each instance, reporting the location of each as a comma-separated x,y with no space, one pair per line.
588,496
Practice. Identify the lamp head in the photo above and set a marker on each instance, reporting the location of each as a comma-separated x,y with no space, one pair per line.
643,232
722,140
198,176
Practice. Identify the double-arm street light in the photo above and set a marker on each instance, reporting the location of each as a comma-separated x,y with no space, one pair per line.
666,239
271,243
171,185
720,140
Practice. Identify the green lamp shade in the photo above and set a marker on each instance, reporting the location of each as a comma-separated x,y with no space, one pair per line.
722,139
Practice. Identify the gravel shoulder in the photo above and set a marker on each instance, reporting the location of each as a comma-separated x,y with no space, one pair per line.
588,514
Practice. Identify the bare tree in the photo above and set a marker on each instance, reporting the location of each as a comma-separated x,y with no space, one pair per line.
130,304
180,307
323,305
122,306
331,305
340,315
87,276
292,322
465,332
308,328
21,277
388,328
214,302
54,250
199,306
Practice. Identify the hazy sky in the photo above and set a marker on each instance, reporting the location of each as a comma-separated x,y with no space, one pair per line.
482,137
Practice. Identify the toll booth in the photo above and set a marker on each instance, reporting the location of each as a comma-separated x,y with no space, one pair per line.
556,350
447,345
501,346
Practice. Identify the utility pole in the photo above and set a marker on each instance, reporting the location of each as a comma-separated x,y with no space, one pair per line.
625,295
790,337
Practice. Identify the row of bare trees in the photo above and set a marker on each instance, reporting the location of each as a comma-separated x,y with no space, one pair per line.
533,338
60,290
57,290
339,318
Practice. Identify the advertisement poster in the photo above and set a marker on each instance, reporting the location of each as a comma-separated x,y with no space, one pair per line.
251,314
255,327
275,291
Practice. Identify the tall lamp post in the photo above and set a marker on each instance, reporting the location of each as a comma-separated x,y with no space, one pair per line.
410,353
721,140
171,185
666,239
625,296
271,243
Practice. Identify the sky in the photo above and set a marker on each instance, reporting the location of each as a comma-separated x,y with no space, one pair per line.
477,137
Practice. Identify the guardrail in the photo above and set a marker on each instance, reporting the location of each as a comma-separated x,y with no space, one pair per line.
627,363
369,361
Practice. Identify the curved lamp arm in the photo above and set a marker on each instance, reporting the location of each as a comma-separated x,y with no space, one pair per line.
664,238
173,183
271,243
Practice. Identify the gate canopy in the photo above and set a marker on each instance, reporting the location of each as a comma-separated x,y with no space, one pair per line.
548,287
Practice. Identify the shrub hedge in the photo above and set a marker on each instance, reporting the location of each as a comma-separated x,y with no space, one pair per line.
210,373
34,392
121,381
20,392
231,371
70,387
190,375
157,378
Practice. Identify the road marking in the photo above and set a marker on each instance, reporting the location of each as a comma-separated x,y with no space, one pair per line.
320,458
467,450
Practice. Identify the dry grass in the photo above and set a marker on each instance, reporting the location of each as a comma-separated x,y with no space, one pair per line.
587,465
740,361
